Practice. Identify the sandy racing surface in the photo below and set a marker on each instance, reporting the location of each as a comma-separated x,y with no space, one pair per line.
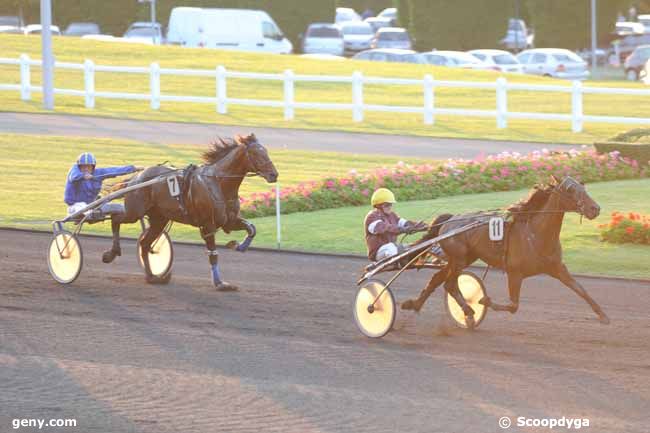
283,354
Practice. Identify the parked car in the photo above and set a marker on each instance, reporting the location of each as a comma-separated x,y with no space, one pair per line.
346,14
82,29
499,60
233,29
323,38
636,61
392,37
11,24
645,20
144,32
390,55
357,36
624,28
322,57
453,59
624,46
645,73
554,62
518,36
379,22
389,13
35,29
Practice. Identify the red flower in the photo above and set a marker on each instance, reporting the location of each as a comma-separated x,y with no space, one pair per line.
629,230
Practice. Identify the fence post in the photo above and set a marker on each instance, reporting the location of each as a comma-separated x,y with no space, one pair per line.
154,80
428,100
89,83
502,103
278,227
288,94
25,78
357,96
576,106
222,95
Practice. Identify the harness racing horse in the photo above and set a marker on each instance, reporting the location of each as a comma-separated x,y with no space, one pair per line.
532,246
210,201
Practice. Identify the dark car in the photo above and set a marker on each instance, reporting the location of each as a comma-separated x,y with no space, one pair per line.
636,62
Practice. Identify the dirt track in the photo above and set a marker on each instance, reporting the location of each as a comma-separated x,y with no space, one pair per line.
283,353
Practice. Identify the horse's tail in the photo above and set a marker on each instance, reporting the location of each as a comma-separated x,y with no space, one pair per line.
434,229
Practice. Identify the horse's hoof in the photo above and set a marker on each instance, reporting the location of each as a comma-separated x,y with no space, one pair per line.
231,245
410,304
602,318
110,255
225,287
165,279
470,322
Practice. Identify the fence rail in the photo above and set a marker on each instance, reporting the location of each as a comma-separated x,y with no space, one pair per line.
357,80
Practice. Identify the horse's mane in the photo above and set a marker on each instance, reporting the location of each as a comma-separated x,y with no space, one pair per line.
218,149
535,200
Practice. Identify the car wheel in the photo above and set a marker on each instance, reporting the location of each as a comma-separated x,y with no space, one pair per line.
631,75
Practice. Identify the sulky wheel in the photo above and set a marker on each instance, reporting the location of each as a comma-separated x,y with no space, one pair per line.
161,255
64,257
376,320
473,290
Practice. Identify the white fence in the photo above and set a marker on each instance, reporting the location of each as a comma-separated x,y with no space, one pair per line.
428,109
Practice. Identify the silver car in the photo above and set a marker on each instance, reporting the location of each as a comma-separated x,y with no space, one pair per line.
554,62
390,55
392,37
357,36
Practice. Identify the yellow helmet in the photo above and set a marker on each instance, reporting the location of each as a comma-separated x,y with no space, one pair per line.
382,195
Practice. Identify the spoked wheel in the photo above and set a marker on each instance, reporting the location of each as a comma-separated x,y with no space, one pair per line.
376,320
473,290
161,255
64,257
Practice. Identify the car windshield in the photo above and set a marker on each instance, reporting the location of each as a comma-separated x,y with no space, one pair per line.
357,30
567,57
393,36
10,21
505,59
142,31
82,29
323,32
464,58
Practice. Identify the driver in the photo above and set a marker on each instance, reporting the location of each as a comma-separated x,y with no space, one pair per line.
382,226
84,183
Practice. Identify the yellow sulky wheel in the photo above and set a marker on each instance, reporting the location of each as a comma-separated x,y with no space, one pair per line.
161,255
376,320
473,290
64,257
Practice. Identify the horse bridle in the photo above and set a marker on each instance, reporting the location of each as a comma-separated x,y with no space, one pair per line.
562,191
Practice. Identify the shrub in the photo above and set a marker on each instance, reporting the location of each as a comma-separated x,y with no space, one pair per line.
626,228
633,144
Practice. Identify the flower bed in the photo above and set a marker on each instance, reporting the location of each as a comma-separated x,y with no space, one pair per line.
626,228
504,172
634,144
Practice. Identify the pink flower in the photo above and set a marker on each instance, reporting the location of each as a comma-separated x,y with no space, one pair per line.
365,192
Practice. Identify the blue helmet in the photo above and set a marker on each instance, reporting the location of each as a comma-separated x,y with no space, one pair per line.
86,158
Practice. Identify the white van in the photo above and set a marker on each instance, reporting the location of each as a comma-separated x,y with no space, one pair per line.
234,29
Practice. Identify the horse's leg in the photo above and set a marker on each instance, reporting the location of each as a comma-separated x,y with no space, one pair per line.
416,304
451,286
242,224
117,219
213,255
562,273
514,289
156,226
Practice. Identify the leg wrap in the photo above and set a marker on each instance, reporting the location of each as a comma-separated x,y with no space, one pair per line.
250,229
214,264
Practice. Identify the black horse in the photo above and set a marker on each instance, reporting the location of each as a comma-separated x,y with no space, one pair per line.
210,200
532,245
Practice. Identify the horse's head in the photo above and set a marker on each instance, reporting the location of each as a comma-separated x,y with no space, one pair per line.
258,158
574,197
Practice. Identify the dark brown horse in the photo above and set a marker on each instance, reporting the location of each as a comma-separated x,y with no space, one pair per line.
210,200
532,245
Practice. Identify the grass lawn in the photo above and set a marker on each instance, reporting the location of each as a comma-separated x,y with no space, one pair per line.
34,170
35,167
106,53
